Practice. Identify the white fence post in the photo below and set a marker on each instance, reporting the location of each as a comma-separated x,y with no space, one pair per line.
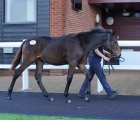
25,77
99,85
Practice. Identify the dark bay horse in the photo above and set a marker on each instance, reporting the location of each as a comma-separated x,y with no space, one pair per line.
70,49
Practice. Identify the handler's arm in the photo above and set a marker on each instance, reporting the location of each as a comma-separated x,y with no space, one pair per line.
102,55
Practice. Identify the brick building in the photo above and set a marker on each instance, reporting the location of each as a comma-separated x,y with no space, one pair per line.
64,19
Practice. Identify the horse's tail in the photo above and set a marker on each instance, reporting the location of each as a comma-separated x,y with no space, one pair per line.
17,58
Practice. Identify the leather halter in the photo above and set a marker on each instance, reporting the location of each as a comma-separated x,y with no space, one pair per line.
112,55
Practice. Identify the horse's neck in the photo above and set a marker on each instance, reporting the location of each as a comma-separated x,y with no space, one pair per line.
91,44
95,43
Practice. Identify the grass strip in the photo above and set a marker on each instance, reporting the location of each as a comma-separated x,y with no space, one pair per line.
33,117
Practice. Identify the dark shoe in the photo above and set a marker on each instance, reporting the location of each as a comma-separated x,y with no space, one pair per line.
116,92
81,96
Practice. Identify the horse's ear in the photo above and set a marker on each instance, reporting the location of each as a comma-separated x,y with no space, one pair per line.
114,32
114,38
109,30
113,35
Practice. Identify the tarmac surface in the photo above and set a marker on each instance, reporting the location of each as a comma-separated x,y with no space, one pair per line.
123,107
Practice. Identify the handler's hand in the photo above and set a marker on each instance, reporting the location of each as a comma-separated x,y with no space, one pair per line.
106,58
107,53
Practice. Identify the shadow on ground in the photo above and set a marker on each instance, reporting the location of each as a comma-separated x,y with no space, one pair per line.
100,106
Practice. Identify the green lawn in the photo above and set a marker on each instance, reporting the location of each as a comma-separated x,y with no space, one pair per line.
33,117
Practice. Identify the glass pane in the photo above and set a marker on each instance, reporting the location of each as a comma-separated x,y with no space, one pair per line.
20,11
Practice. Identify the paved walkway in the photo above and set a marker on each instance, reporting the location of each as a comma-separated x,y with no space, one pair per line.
29,103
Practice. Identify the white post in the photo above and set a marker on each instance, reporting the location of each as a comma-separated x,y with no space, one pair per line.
99,85
25,77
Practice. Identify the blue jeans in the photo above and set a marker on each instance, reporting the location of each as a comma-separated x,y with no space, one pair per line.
95,68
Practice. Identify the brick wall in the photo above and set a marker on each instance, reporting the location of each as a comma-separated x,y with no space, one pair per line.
64,20
82,20
57,8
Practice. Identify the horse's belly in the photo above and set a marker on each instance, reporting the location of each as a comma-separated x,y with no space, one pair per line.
55,61
54,58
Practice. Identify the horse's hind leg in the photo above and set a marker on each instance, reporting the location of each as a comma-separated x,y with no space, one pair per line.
38,75
85,72
15,76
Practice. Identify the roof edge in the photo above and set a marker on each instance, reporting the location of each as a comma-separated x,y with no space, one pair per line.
114,1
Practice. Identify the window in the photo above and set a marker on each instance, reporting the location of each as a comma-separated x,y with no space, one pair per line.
20,11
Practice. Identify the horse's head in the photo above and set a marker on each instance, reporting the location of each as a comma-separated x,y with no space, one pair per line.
112,45
100,37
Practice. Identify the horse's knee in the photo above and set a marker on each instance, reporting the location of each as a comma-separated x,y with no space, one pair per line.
37,77
69,78
89,77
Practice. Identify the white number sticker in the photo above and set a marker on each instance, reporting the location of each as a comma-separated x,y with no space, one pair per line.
32,42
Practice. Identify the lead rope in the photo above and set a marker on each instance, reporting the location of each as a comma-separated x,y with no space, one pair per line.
119,59
109,64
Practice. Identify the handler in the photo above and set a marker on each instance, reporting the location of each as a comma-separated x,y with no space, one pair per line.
95,68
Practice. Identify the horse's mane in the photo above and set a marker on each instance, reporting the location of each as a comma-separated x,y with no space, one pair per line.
82,35
94,30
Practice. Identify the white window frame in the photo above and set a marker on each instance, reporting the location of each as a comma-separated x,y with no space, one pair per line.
30,15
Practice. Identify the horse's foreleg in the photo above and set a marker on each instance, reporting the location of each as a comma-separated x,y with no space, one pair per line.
38,75
85,72
69,80
15,76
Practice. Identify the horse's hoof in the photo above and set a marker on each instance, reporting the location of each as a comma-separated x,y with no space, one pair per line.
8,98
69,101
51,99
87,99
